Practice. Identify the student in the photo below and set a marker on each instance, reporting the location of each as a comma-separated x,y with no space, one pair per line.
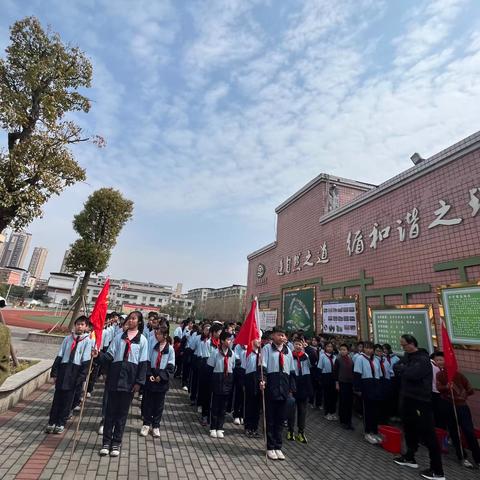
358,350
253,396
177,345
69,370
279,385
415,372
343,374
221,363
128,358
303,392
203,353
461,389
161,366
366,382
238,385
325,366
187,355
385,390
392,400
313,351
194,364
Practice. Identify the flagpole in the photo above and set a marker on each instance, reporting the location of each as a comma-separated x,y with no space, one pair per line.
84,396
456,421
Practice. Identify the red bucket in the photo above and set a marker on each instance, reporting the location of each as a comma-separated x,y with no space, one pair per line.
442,439
392,438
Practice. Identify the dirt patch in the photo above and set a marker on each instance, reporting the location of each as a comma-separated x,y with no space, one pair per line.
35,319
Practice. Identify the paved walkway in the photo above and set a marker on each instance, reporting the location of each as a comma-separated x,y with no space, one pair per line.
26,349
185,451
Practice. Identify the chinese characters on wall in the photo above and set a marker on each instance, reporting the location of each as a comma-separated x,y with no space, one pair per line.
300,260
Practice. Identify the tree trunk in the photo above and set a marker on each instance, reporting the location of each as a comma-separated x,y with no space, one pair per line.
82,294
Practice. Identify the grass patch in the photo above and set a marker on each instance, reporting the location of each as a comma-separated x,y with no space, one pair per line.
23,365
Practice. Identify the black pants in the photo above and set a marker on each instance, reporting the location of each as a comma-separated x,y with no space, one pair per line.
154,406
118,404
329,394
93,376
253,400
104,404
195,363
178,364
440,411
204,388
61,406
370,415
275,417
238,396
187,357
300,409
345,403
219,404
77,396
317,397
466,427
417,418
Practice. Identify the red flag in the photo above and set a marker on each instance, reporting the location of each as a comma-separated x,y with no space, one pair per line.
451,365
249,330
99,313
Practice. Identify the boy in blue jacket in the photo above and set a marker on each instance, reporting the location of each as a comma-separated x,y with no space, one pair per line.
279,385
69,371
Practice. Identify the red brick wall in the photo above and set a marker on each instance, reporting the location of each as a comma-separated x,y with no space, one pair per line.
393,263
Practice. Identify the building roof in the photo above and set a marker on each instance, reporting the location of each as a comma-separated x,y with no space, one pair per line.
323,177
450,154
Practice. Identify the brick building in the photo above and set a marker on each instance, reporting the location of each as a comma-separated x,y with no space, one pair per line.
394,244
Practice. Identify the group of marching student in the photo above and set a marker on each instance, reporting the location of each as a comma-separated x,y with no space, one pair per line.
133,359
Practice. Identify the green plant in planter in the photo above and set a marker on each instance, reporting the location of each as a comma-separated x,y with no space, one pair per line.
4,353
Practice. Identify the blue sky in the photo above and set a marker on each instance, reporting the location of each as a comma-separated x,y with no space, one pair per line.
214,112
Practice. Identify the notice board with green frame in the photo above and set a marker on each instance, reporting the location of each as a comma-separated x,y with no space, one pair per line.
388,324
460,308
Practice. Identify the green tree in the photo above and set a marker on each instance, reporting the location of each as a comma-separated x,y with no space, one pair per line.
99,223
39,82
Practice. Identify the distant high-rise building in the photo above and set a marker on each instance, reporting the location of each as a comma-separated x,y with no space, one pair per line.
3,242
63,268
16,250
37,262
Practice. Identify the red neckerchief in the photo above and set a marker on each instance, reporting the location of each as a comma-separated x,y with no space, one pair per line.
298,356
372,364
382,366
281,358
128,346
225,363
215,342
76,340
159,356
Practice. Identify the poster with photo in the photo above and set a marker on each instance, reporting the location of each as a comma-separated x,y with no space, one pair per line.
339,317
267,318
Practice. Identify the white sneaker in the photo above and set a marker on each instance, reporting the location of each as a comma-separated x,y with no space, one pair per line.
241,421
333,417
156,432
100,430
213,433
104,451
77,408
378,437
140,398
220,434
89,395
49,428
144,430
199,409
115,452
272,455
280,455
236,421
371,439
328,417
185,388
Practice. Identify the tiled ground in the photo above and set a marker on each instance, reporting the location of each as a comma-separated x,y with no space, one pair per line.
185,451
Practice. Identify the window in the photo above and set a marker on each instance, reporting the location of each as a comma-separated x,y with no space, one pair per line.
152,299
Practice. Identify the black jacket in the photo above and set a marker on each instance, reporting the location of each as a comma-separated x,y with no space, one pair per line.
415,373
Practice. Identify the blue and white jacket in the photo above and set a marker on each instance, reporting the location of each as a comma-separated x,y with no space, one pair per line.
280,382
71,364
164,370
221,380
127,367
366,376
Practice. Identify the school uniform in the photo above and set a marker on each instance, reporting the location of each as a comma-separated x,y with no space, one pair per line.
128,367
325,365
239,381
195,363
303,391
279,374
253,395
69,370
366,379
393,399
343,374
385,390
314,354
221,364
203,352
187,358
161,364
